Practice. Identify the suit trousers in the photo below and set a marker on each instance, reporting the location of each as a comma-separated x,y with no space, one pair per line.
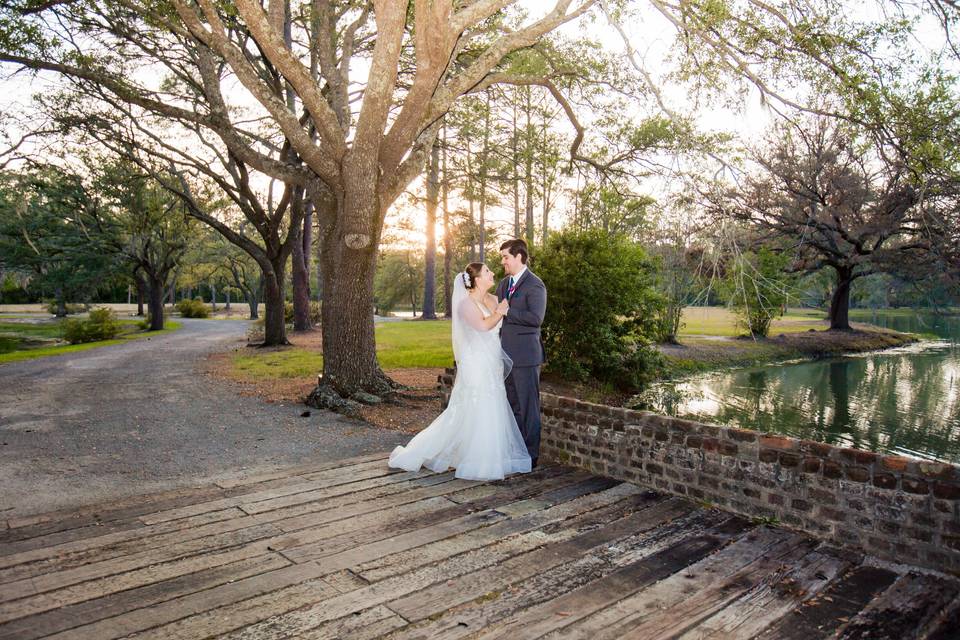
523,393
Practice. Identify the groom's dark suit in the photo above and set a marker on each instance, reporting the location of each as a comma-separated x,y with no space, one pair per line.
520,338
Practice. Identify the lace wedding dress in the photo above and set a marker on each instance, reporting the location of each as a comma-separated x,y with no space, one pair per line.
477,434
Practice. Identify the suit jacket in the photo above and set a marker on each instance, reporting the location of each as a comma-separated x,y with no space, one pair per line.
520,331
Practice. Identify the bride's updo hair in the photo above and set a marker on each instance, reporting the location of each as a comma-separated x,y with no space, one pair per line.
473,272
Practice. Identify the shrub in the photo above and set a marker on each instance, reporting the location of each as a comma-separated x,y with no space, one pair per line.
601,308
72,309
193,308
758,289
315,313
101,325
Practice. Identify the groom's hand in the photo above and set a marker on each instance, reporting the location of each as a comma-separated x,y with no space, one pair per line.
503,307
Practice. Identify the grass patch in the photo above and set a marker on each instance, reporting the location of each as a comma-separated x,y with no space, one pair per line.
720,321
130,333
400,345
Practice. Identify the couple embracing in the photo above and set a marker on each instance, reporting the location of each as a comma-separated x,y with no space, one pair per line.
491,426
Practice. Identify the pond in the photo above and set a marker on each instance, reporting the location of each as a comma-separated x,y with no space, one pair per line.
904,401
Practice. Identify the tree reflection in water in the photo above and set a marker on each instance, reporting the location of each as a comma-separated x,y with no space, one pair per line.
905,401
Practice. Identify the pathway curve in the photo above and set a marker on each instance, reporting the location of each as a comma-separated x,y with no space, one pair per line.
138,417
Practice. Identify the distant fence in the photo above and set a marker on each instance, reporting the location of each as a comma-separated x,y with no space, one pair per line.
893,507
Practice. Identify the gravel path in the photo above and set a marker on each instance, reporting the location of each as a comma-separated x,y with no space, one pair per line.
137,417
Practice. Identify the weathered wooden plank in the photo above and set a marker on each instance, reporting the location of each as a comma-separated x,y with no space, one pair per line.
189,617
60,556
437,599
902,611
822,615
681,601
34,585
298,470
373,474
587,511
495,595
331,612
772,599
560,612
95,515
314,544
241,614
69,616
354,627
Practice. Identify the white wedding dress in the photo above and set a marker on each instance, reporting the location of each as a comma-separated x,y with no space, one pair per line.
477,433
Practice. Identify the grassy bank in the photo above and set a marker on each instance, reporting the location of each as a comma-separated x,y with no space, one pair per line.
28,341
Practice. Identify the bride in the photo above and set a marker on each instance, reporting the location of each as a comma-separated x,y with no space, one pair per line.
477,434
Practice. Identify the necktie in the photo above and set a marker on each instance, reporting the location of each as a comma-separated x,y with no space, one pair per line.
513,285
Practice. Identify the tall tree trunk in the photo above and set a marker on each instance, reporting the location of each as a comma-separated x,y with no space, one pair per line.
156,290
141,287
484,167
545,186
528,173
473,256
213,297
447,248
430,259
840,303
516,174
274,327
61,303
226,293
301,276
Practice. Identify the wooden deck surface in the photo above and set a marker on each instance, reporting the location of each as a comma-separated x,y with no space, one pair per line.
354,550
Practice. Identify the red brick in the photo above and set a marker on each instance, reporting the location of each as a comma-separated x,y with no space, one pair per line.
710,444
885,481
946,491
694,442
857,474
789,459
858,456
816,448
742,435
915,485
768,455
895,463
811,465
831,469
938,470
729,449
779,442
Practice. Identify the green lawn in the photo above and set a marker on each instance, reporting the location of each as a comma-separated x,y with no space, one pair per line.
400,345
719,321
13,349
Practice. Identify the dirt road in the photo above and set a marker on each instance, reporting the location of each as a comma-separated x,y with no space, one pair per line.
138,417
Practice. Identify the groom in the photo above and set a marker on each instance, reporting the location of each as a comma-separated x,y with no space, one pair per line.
520,338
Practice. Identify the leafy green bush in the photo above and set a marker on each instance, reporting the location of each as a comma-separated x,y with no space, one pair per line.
193,308
72,309
101,325
601,308
315,311
758,287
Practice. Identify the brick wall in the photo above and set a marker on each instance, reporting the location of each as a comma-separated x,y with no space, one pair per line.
893,507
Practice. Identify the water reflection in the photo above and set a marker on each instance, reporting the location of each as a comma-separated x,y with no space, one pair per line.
904,401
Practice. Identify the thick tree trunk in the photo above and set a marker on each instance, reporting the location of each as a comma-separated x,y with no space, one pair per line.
840,303
156,291
61,304
430,259
274,325
253,301
141,286
300,271
226,293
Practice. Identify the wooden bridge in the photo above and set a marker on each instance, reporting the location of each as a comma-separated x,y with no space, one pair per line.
354,550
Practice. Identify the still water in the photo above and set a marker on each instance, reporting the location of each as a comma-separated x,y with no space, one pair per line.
904,401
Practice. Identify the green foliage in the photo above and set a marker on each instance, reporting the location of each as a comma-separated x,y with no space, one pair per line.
52,228
72,309
316,310
101,325
399,280
601,308
758,288
193,308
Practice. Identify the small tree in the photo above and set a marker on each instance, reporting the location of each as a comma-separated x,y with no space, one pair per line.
601,308
758,287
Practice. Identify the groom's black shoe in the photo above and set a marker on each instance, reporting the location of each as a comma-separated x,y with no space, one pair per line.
533,463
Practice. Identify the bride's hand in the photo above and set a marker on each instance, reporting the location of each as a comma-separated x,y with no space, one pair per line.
503,307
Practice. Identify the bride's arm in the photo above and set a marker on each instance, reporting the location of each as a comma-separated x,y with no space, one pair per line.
472,315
